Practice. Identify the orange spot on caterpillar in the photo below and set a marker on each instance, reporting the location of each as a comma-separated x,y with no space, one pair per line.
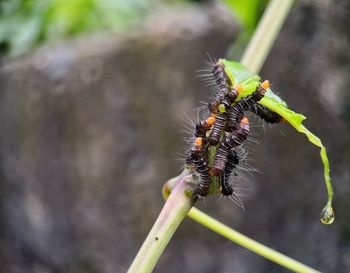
210,121
239,88
244,120
198,141
265,84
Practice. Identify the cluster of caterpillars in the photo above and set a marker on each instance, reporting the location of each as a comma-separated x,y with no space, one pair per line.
226,129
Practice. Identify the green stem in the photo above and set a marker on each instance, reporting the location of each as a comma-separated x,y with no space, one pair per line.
179,204
174,211
248,243
265,34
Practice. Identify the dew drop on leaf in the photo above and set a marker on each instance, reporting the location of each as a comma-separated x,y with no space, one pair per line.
327,215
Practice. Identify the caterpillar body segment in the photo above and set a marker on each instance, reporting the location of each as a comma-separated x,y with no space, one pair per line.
203,126
229,142
221,78
219,124
233,120
222,113
200,161
202,167
232,162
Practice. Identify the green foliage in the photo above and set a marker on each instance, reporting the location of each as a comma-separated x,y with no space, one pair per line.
248,13
25,23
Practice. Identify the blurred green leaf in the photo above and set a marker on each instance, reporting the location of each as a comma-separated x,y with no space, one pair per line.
247,12
25,23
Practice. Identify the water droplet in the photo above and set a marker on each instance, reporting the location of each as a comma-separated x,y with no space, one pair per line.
327,215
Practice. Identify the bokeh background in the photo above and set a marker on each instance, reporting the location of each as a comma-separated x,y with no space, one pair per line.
93,96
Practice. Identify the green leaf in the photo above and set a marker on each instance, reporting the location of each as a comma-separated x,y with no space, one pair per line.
239,74
247,12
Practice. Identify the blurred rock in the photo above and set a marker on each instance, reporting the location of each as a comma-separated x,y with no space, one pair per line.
90,132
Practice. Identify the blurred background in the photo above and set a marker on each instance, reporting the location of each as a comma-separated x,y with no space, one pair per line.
93,102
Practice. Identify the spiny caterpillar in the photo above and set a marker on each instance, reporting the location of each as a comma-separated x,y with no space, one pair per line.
216,138
212,133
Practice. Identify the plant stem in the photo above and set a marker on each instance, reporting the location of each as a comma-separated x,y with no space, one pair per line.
248,243
174,211
265,34
178,204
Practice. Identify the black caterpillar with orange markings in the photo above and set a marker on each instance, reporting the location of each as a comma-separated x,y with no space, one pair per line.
250,104
229,142
230,166
223,130
200,160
